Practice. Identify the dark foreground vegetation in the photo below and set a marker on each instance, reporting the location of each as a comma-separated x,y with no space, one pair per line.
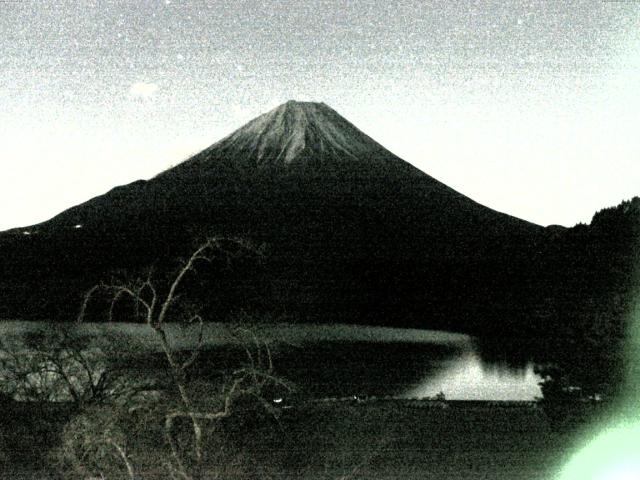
339,440
110,414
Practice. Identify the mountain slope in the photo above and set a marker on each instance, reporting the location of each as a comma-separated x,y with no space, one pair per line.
353,233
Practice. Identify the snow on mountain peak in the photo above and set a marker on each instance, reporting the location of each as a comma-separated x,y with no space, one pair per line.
301,137
295,131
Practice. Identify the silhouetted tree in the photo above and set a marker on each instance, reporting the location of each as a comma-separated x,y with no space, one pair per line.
158,305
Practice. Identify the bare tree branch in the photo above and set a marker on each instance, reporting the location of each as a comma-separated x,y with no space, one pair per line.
199,254
123,455
196,352
247,381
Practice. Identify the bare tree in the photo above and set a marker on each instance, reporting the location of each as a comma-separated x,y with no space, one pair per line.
53,364
158,306
95,444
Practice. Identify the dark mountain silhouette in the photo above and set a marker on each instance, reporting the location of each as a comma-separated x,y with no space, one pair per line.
352,233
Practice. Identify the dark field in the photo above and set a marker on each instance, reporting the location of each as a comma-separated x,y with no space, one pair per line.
389,439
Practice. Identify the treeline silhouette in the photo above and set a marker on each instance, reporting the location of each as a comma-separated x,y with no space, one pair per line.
591,274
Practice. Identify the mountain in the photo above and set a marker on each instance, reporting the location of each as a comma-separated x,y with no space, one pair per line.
352,234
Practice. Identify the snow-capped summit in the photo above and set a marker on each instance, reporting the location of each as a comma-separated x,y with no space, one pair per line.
299,135
295,129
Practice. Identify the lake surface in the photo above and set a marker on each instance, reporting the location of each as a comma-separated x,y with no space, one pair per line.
332,360
404,370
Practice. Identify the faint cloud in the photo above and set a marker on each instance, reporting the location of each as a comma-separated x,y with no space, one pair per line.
143,89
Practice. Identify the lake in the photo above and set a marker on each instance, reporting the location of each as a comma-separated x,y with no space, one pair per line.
330,360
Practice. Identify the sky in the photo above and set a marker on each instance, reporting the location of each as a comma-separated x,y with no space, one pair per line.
530,107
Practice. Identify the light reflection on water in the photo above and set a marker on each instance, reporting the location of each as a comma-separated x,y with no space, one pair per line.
467,377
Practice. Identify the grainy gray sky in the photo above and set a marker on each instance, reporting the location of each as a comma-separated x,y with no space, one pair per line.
529,107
